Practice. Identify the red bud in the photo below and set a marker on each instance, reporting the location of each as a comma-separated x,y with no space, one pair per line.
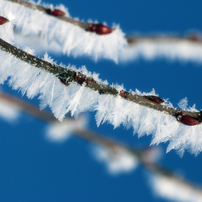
55,12
187,120
79,78
3,20
99,29
194,37
154,99
123,94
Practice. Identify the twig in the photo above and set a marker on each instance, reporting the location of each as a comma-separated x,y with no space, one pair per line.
91,27
193,39
68,76
27,107
113,146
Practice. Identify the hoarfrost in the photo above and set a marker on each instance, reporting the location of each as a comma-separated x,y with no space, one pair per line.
50,33
174,189
117,111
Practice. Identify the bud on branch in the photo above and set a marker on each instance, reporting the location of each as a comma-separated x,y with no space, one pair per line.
187,120
67,76
99,29
3,20
154,99
55,12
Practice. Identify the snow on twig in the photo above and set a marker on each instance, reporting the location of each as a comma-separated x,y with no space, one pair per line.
68,89
57,34
168,46
175,188
117,156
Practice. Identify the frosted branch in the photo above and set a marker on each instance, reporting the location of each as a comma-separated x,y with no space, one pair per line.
57,31
122,157
194,39
168,46
61,15
67,76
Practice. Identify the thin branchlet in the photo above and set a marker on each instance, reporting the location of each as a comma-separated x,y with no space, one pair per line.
67,76
113,146
46,11
192,39
96,28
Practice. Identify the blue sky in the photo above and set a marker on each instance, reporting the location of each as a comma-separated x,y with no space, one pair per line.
34,169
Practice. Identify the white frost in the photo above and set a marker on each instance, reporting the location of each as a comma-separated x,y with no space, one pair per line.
116,161
182,51
8,112
183,105
44,32
61,131
174,189
76,99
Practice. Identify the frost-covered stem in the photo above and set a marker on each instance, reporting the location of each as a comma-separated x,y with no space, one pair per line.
58,71
172,176
133,39
83,133
91,27
67,76
45,10
108,143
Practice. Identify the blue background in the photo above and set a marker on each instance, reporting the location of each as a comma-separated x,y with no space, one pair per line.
34,169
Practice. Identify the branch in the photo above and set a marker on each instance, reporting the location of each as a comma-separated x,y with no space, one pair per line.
67,76
71,90
66,38
97,28
142,155
52,32
192,39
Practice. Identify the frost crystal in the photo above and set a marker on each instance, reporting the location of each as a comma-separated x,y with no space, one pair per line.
57,35
116,162
183,51
115,110
174,189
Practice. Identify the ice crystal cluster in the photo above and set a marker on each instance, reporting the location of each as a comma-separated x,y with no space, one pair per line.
45,32
115,110
174,190
181,51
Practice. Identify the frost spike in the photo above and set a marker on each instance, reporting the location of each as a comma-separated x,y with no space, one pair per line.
3,20
69,75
